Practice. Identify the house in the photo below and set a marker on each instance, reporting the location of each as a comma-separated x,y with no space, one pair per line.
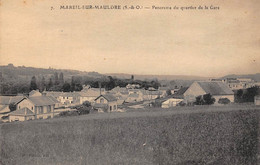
180,93
42,107
133,86
239,83
106,103
151,95
257,100
69,98
5,101
164,90
34,93
134,97
216,89
22,114
90,94
57,103
172,102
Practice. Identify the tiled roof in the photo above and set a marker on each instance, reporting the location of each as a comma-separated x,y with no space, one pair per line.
135,95
119,89
70,94
164,88
41,100
215,88
182,91
108,97
51,93
6,100
53,99
34,92
24,112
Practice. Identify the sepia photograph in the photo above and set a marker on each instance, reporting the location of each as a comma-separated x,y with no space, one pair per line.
129,82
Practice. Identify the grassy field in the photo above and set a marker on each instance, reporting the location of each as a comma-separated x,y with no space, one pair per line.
184,135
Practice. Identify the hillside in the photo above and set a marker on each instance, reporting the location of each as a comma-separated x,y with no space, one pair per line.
11,71
158,77
255,77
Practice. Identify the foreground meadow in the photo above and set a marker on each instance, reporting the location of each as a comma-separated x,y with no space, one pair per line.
192,135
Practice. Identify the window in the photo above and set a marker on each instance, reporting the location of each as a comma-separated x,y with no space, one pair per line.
32,108
110,107
114,107
101,100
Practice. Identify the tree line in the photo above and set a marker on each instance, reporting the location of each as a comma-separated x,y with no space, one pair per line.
56,82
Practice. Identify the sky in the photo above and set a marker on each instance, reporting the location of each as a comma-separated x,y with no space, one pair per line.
159,42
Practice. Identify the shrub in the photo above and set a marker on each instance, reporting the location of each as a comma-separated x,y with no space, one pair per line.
12,106
181,104
206,99
223,101
156,103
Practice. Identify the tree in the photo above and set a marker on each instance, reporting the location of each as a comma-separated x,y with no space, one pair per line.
72,84
33,85
132,77
61,78
12,106
199,101
56,79
206,99
66,87
111,84
87,103
250,94
168,92
50,84
223,101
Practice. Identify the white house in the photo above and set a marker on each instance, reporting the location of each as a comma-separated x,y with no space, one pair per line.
106,103
216,89
90,94
42,107
172,102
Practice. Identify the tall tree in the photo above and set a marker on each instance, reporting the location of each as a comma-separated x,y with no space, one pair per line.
43,84
50,84
72,84
61,78
33,84
56,79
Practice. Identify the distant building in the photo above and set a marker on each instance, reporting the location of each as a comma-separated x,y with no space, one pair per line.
216,89
106,103
239,83
133,86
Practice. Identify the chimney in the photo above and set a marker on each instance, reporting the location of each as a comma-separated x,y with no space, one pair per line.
99,84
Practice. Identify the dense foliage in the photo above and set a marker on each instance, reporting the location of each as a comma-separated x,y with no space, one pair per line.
246,95
206,99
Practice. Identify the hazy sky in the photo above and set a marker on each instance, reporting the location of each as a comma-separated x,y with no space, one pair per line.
204,43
